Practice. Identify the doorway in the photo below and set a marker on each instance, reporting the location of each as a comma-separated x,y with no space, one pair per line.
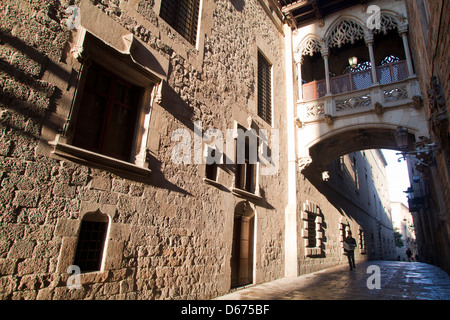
242,247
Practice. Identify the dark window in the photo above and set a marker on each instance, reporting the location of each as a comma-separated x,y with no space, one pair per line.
106,118
182,15
211,169
91,242
362,241
246,172
311,230
264,88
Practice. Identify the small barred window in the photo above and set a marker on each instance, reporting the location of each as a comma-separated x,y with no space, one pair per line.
91,242
182,16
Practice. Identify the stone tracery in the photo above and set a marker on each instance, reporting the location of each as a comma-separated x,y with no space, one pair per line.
310,46
345,31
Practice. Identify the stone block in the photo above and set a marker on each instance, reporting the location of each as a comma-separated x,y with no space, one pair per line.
67,227
64,190
21,249
126,204
100,183
7,266
126,285
110,198
305,225
29,282
34,265
5,147
80,176
114,255
120,186
26,199
111,288
67,254
305,233
136,190
45,294
119,231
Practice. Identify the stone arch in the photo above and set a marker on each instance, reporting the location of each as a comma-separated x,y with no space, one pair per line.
96,215
390,20
345,29
330,146
309,45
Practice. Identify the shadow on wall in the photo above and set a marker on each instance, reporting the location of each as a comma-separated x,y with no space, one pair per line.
27,103
349,208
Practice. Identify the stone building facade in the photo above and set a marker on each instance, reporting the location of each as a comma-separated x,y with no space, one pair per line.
429,198
104,105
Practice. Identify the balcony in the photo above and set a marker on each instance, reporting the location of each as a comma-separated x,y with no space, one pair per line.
354,92
389,73
415,204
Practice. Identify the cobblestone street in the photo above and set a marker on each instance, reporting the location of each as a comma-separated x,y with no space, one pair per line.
399,280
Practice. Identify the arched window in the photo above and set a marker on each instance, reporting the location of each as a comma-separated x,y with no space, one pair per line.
91,242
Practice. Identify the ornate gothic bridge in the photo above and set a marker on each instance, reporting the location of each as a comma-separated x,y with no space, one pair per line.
356,86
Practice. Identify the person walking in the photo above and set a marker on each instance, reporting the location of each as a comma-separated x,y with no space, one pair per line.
408,254
349,249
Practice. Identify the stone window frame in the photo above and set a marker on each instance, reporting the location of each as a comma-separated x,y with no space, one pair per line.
362,241
120,62
262,47
214,167
312,209
105,128
265,103
97,217
116,236
234,189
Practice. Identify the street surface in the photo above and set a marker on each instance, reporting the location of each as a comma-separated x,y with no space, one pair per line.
389,280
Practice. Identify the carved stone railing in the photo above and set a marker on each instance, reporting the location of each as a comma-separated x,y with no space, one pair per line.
377,98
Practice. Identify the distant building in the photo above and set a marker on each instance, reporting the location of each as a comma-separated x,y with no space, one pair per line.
402,221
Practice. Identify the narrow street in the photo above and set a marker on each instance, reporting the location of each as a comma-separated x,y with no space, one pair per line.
398,281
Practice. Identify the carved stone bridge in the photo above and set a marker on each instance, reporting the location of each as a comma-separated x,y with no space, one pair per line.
335,125
356,86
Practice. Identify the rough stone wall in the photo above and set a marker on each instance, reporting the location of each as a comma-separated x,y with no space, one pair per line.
170,237
430,40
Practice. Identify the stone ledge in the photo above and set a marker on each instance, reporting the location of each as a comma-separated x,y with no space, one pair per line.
245,194
75,153
212,182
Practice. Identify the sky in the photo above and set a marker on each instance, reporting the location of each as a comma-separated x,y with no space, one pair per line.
397,176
